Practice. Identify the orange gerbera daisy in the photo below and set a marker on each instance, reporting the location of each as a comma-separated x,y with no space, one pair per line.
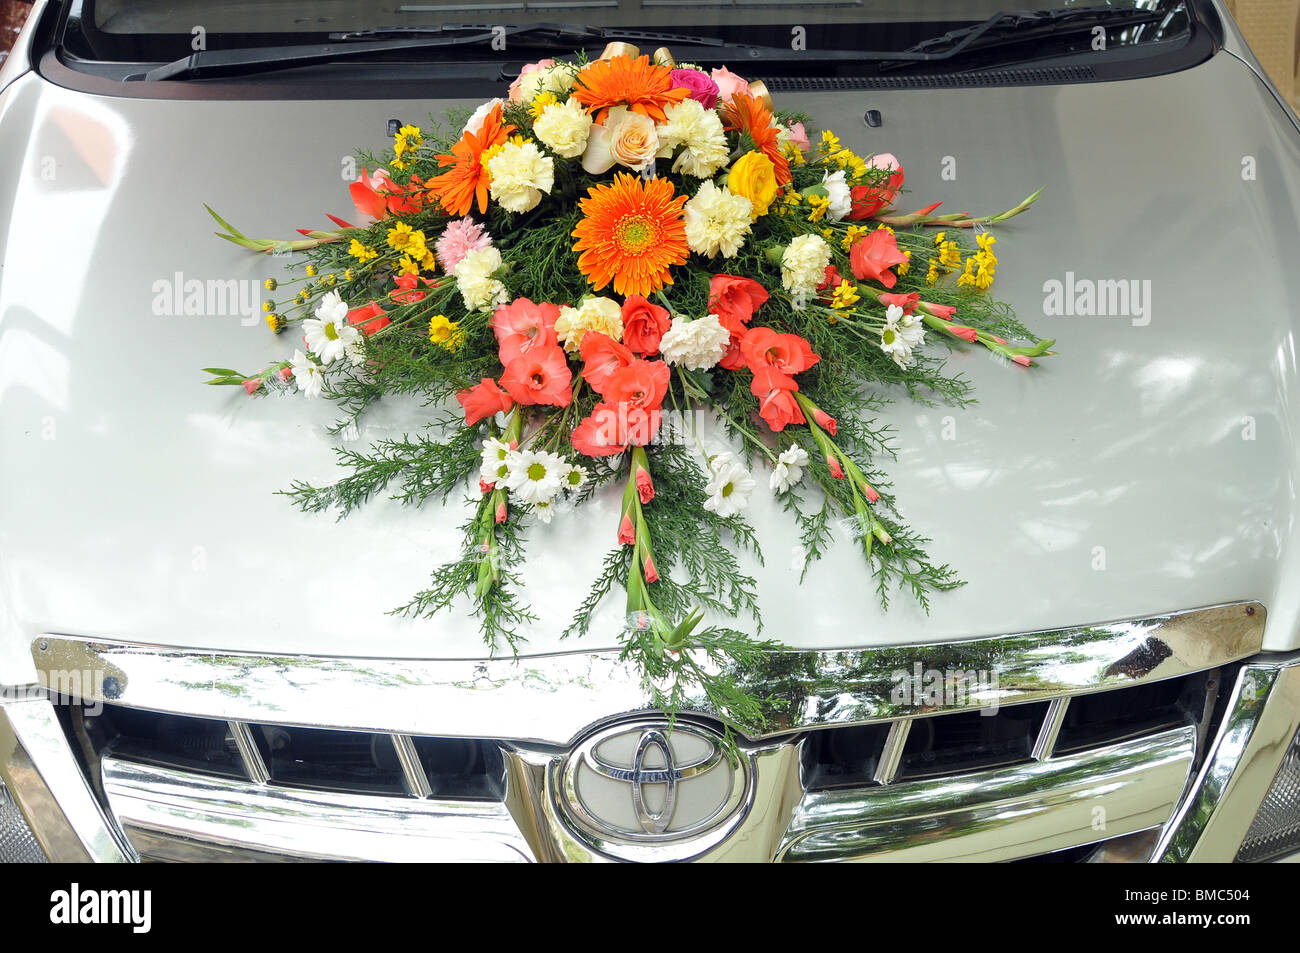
630,233
642,86
456,190
746,114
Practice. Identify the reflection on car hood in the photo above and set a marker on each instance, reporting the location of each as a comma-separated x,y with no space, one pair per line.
1150,466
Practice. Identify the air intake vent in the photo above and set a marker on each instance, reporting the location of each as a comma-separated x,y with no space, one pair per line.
968,741
1044,76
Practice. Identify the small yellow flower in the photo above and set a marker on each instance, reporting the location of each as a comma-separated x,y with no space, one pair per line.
906,266
819,203
444,332
939,237
311,271
832,319
270,284
539,105
303,295
268,306
950,255
361,252
416,247
986,241
429,263
276,322
846,295
329,279
399,236
407,267
347,274
407,139
932,273
886,228
853,236
830,141
397,164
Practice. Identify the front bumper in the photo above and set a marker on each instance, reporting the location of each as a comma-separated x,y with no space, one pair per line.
1178,794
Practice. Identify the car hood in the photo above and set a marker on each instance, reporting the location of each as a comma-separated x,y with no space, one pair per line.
1149,467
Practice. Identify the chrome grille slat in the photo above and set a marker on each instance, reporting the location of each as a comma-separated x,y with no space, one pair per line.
892,755
254,765
417,782
1045,743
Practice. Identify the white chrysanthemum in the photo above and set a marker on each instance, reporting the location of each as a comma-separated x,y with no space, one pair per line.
534,476
307,374
329,335
789,468
520,175
699,131
729,485
696,345
474,280
592,314
564,128
475,122
892,340
717,221
544,510
803,265
495,460
574,477
837,189
911,330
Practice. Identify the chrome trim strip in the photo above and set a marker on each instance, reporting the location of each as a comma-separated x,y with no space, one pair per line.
413,776
551,699
892,752
254,766
177,815
1262,718
1045,743
1001,814
46,781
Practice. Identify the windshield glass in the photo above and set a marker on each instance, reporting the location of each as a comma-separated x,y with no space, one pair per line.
870,30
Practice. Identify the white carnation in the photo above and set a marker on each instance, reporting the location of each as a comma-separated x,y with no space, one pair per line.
696,345
837,189
803,265
474,278
717,221
520,174
789,468
700,134
564,128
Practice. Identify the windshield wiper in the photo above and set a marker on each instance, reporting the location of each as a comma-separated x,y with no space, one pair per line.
207,64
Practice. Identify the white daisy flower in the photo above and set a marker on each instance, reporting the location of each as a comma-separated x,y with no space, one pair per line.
729,485
328,335
789,468
573,477
534,476
495,460
307,374
544,511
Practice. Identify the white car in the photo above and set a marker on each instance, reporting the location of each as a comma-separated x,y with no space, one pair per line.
193,669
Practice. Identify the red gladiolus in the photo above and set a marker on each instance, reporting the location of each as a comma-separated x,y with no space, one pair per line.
603,356
523,318
539,378
483,400
370,317
640,385
286,373
734,300
907,302
404,201
945,311
611,429
1022,360
626,531
776,403
645,487
253,385
734,358
998,339
963,332
874,256
788,353
370,202
651,574
832,279
485,487
825,421
644,325
870,200
835,466
409,289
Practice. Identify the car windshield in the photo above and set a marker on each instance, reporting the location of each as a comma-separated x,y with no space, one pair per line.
902,34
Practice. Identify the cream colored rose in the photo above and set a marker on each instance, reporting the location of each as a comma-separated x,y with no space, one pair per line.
626,138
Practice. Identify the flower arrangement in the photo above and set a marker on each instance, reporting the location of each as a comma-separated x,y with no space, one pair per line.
583,261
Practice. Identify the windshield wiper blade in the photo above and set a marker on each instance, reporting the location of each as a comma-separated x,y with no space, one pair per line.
207,64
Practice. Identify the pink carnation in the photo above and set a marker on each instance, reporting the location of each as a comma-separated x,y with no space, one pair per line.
458,239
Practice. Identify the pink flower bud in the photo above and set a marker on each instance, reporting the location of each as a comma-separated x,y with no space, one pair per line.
626,531
501,512
870,491
286,373
485,487
825,421
645,486
835,466
963,332
945,311
1022,360
651,574
253,385
998,339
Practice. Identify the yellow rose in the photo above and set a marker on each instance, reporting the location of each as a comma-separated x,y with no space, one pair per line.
754,177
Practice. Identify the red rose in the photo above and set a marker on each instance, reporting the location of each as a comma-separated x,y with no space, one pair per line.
370,317
483,400
788,353
776,403
734,300
874,256
644,325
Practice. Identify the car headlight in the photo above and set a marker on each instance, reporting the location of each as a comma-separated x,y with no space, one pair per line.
1275,831
17,842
